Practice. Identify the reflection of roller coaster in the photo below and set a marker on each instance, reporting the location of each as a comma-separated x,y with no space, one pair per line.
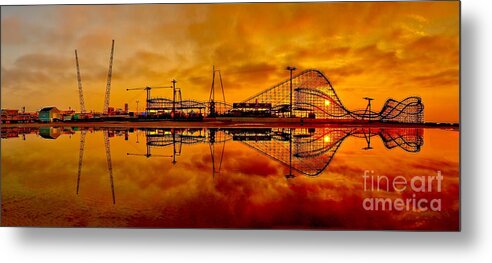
308,151
313,149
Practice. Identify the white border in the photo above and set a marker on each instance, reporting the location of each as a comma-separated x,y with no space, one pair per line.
471,245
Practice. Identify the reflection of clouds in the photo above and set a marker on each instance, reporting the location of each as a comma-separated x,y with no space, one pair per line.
39,178
429,164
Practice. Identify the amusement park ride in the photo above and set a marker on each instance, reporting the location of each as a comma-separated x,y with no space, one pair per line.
307,95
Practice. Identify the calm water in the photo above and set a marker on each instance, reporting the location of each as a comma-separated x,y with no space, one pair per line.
227,178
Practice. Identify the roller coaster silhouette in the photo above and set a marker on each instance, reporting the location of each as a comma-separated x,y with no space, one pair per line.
313,97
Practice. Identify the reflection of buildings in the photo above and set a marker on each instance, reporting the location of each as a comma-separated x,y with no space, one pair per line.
15,132
50,132
44,132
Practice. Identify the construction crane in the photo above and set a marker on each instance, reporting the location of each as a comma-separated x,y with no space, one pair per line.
149,88
79,80
108,84
211,100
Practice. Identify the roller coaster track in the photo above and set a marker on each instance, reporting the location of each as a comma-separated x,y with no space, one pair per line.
314,93
402,141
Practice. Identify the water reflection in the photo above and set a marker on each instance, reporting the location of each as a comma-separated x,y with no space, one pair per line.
220,177
306,151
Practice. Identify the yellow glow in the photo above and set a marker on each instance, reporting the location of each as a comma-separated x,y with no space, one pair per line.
327,138
327,103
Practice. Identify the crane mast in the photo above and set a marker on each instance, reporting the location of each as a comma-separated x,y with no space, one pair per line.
108,84
79,80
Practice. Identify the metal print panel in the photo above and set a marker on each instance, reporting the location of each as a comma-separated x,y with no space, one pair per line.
337,115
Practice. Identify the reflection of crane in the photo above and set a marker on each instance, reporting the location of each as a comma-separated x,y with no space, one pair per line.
108,84
148,152
211,143
176,138
110,164
367,137
79,81
174,147
108,159
81,156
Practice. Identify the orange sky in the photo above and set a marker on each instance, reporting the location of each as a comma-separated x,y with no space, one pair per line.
379,49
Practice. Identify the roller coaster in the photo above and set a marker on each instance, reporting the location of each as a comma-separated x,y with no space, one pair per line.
313,97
